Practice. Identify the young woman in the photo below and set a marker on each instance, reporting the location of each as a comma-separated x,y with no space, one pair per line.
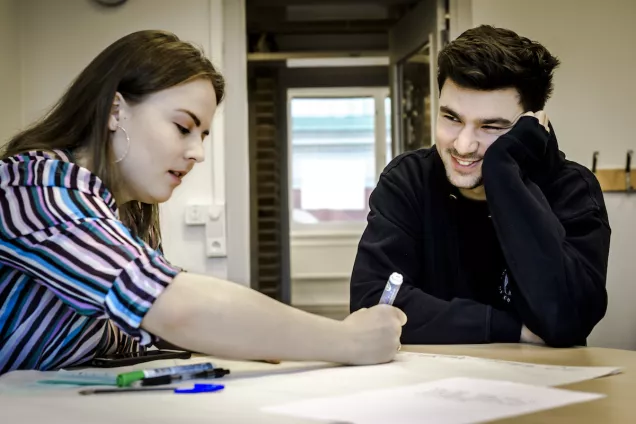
81,271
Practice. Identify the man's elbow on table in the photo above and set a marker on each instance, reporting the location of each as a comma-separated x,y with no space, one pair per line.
562,332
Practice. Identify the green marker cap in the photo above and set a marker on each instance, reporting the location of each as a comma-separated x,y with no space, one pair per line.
126,379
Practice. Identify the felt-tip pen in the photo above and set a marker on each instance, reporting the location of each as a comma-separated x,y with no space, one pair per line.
169,379
126,379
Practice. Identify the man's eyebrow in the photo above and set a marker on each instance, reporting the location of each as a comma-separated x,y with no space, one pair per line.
485,121
497,121
446,109
195,118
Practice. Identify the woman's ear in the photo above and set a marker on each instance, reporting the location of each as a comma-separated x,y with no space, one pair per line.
116,112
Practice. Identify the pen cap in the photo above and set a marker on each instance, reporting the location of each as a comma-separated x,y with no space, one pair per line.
396,279
220,372
128,378
215,373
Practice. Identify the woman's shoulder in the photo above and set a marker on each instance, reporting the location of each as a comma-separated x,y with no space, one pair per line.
39,155
51,168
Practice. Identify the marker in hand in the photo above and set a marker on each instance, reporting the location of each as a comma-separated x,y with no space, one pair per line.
391,289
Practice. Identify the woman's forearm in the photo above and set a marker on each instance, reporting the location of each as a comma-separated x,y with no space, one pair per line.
221,318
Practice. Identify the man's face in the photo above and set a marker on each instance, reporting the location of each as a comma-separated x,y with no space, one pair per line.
468,122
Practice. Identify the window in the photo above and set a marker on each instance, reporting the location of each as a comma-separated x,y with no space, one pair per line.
336,139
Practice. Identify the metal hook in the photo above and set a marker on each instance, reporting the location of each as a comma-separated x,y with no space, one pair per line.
628,171
594,161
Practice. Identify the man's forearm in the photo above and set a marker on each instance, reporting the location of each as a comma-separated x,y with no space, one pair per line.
436,321
558,267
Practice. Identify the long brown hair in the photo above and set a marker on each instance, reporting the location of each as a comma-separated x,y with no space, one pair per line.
136,66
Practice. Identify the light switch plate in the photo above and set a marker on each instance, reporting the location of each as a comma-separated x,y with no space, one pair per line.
196,214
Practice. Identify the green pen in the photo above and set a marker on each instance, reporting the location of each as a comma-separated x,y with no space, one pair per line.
126,379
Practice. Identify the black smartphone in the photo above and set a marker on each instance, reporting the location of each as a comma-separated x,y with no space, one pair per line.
133,358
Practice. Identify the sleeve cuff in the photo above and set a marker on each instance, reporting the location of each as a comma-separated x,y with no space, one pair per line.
134,292
504,328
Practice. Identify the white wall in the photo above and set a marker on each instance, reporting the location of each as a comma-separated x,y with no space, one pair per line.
10,100
59,38
592,109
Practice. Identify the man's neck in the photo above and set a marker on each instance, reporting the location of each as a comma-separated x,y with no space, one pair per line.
477,193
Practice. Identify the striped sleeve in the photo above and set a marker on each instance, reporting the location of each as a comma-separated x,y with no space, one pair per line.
68,238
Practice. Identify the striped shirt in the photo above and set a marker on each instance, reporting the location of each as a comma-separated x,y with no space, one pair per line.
74,282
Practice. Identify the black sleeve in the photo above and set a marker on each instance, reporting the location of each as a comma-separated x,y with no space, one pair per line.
557,254
392,243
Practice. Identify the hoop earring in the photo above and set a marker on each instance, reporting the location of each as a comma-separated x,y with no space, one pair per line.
127,146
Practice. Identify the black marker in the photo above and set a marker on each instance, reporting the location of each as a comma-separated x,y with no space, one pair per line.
169,379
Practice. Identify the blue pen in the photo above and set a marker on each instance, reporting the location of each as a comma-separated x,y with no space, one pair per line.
198,388
201,388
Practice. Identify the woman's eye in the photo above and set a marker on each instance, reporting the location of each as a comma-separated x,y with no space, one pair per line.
183,130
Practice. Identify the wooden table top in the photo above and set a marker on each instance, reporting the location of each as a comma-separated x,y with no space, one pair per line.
618,407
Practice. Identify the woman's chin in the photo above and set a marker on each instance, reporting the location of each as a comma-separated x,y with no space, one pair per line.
154,198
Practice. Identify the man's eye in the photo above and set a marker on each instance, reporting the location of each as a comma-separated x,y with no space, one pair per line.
451,118
182,130
488,127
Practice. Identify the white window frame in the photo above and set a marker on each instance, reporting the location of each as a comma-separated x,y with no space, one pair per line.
379,94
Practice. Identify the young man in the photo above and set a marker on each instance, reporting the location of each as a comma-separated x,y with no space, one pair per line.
499,237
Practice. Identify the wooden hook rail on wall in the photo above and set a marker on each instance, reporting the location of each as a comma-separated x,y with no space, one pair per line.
615,180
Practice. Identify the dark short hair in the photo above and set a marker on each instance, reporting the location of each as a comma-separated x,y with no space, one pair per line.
489,58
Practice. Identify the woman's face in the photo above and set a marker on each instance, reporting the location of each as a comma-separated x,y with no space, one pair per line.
166,133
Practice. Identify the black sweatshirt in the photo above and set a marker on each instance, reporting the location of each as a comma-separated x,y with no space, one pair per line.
535,253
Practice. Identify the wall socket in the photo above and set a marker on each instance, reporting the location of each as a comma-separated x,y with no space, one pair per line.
215,248
212,217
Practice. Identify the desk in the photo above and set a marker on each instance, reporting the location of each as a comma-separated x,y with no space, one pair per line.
618,407
241,401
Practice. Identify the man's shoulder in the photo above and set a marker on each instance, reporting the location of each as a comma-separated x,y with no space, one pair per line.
575,190
413,163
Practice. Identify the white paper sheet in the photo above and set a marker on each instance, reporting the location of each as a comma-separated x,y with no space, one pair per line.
448,401
413,368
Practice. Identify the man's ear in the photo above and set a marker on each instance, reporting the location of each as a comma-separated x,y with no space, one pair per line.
116,111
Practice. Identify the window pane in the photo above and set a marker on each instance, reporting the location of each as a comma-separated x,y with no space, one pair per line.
333,163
